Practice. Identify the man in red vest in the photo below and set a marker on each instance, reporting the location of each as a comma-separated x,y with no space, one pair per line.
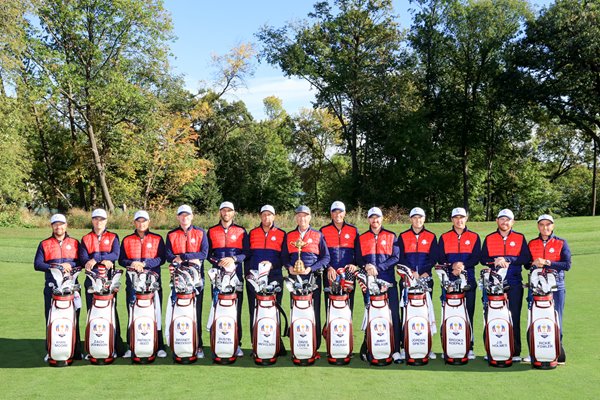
58,251
550,251
228,247
143,250
100,247
506,248
189,243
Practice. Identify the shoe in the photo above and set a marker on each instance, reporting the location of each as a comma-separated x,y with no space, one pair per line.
562,363
200,353
432,355
239,352
485,357
87,357
127,354
161,354
363,357
318,356
402,354
471,355
526,360
397,357
517,359
46,358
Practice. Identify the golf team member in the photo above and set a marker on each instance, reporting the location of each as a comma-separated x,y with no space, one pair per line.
378,254
418,249
461,248
101,247
266,243
506,248
550,251
228,246
314,254
341,239
188,243
59,250
143,250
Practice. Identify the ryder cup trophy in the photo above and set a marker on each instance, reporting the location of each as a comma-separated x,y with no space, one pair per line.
299,264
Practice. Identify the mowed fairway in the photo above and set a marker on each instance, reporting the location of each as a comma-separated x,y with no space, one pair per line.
23,374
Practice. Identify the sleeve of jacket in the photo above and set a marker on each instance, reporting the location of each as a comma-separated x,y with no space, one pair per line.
114,251
123,260
38,263
475,256
285,254
433,253
156,262
392,260
360,260
565,259
441,254
169,255
245,249
324,258
524,256
485,258
401,252
84,255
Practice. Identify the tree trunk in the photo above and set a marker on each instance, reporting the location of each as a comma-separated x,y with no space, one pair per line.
594,173
100,168
72,127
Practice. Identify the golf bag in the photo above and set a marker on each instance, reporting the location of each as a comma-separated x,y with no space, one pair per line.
497,321
182,334
144,316
62,321
378,346
222,321
303,334
416,317
543,330
266,332
338,331
456,327
100,330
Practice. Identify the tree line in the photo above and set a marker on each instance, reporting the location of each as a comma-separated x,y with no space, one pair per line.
484,104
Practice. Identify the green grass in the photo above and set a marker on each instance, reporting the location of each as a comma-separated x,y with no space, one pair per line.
24,375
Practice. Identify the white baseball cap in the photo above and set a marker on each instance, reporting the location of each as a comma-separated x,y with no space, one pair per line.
416,211
338,205
226,204
459,211
58,218
506,213
99,212
184,209
546,217
268,208
374,211
141,214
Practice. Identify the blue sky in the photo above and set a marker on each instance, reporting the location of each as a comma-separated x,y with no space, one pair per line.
206,27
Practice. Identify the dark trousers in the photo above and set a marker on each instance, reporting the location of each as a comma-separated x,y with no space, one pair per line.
47,307
515,303
131,299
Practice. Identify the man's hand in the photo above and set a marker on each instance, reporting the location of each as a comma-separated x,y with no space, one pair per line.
424,275
227,262
331,274
539,263
66,267
457,268
501,262
371,270
138,266
351,268
108,264
177,259
90,264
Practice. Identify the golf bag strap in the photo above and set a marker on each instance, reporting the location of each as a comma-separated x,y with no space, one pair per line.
286,327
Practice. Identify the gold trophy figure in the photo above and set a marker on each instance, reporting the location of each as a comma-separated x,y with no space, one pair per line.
299,264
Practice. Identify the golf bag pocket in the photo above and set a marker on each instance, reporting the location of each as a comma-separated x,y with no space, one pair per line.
183,335
543,333
380,332
338,331
498,332
266,330
143,329
61,330
223,333
417,332
100,329
303,335
456,329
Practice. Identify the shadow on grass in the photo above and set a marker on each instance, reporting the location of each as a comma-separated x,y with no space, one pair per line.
29,353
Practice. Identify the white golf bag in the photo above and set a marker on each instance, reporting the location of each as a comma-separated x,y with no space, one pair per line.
62,321
222,321
303,334
416,317
182,334
338,331
497,320
266,332
543,329
456,327
100,330
377,323
144,317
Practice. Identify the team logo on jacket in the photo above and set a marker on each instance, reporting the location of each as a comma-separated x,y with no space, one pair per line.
544,330
346,236
499,330
551,250
144,328
183,328
302,330
225,327
62,330
383,242
106,241
193,240
309,241
233,237
418,328
424,242
512,244
340,329
456,328
68,247
99,329
266,330
273,238
467,242
149,245
380,328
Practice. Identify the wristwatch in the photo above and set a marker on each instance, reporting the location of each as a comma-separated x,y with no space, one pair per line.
547,263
